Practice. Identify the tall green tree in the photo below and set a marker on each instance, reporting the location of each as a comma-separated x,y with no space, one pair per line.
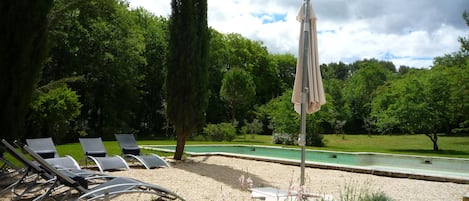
339,71
286,66
254,58
359,89
101,41
186,78
150,113
417,103
23,49
217,66
465,40
237,90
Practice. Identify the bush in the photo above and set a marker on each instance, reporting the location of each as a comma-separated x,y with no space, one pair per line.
314,140
53,113
354,191
291,139
282,138
220,132
286,122
377,196
255,127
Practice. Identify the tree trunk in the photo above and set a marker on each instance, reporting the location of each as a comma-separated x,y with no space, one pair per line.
181,143
434,138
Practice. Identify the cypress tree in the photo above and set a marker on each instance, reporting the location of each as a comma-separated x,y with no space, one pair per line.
186,79
23,42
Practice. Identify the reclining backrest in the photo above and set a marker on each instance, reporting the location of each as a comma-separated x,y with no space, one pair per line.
45,147
93,147
128,144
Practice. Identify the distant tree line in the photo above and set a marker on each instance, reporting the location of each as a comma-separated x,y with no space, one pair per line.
107,65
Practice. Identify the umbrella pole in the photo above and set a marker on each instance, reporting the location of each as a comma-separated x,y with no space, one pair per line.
304,93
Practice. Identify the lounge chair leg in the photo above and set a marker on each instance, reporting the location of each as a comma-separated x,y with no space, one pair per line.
106,196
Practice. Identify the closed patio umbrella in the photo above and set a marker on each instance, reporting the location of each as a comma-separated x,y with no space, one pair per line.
308,93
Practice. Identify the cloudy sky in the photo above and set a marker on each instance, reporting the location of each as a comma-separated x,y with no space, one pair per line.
406,32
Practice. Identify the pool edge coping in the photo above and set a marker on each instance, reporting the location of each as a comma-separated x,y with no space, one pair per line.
347,168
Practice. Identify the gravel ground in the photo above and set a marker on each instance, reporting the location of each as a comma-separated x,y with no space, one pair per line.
217,178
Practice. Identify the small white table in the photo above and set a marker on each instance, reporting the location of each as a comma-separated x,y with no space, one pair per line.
271,194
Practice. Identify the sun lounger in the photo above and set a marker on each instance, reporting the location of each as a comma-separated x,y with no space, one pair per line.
46,149
95,151
107,190
37,181
34,179
9,172
131,151
7,168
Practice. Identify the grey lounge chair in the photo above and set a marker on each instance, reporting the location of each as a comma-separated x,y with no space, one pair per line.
9,172
45,147
7,169
104,191
131,151
34,180
95,151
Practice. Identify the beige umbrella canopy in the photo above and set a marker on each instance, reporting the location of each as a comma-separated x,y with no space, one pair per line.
315,92
308,92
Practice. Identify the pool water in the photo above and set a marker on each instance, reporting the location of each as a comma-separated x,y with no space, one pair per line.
453,169
284,153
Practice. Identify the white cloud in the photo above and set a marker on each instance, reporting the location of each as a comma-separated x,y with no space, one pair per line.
406,33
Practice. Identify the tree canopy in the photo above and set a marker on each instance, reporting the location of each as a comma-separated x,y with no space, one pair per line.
132,71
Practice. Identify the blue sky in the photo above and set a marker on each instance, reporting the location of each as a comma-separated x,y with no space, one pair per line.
405,32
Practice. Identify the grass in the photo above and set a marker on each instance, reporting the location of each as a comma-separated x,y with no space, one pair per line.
401,144
457,147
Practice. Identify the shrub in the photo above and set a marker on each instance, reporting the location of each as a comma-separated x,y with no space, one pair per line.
255,127
353,191
53,113
220,132
377,196
291,139
282,138
314,140
286,122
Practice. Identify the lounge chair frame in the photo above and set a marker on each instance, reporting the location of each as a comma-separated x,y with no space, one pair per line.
94,150
131,151
45,147
34,179
7,169
110,189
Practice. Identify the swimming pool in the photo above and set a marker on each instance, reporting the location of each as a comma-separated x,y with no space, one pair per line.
395,165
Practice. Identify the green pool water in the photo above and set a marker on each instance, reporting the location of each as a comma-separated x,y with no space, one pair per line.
284,153
372,162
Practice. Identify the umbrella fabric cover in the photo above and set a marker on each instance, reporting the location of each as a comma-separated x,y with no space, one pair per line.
315,94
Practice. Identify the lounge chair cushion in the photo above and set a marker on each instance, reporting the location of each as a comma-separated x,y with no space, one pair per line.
131,150
95,154
46,154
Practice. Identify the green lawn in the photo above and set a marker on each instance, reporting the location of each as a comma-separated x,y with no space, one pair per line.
399,144
402,144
